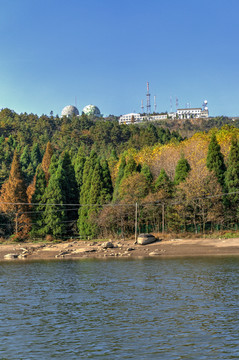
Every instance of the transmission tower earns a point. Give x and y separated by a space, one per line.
142 106
148 100
155 105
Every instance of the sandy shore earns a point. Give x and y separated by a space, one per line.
124 248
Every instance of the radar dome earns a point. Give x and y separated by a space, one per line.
69 110
92 110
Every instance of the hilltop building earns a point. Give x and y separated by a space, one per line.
69 111
90 110
192 113
187 113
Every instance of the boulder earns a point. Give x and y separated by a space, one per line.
144 239
11 256
154 253
107 245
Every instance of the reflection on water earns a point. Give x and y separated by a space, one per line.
120 309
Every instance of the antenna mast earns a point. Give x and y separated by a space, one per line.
142 106
148 99
155 105
176 103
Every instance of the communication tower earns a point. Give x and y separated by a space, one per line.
176 103
142 106
155 105
148 99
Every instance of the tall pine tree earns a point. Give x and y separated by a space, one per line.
182 170
37 190
232 174
35 155
55 217
46 161
13 197
119 177
215 160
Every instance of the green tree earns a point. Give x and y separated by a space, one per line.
107 187
54 216
147 174
119 177
79 164
130 167
35 155
182 170
232 173
163 184
38 190
85 198
215 160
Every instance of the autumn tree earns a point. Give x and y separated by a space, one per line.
46 161
13 198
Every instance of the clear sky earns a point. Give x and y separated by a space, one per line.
103 52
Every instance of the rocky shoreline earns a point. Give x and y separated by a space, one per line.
118 249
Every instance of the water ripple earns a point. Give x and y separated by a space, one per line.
138 309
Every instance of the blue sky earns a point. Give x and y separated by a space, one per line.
103 52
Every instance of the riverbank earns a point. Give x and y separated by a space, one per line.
124 248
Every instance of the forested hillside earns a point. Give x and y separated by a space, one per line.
79 177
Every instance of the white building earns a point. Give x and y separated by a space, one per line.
190 113
133 118
130 118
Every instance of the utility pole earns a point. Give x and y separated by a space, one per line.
163 217
16 228
136 222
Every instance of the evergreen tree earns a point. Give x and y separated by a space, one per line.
119 177
53 165
215 160
232 173
13 197
79 164
54 216
107 187
26 165
147 174
70 189
35 156
164 184
25 158
38 190
83 223
46 161
182 170
130 167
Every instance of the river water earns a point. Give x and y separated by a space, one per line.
184 308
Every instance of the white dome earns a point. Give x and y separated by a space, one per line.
92 110
69 110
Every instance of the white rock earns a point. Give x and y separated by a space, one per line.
144 239
11 256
